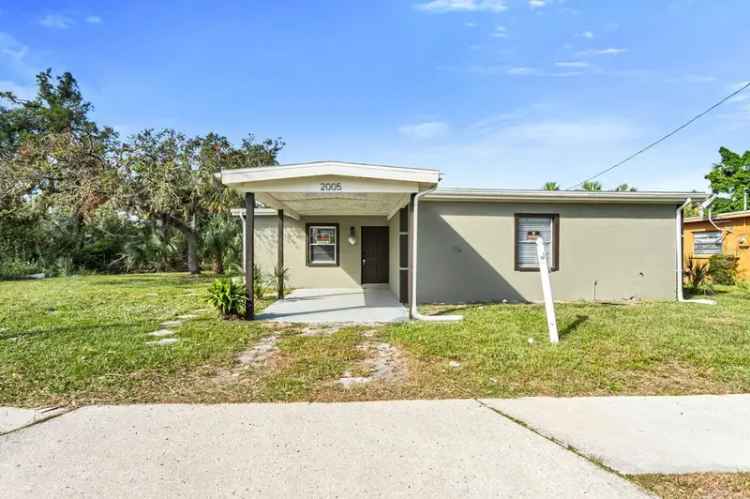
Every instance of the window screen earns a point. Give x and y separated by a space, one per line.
707 243
322 245
528 229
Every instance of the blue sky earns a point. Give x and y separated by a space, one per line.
495 93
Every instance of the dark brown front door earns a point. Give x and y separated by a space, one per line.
374 255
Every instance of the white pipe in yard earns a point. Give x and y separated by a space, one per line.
413 312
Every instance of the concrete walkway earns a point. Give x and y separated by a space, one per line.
372 449
12 418
346 305
637 435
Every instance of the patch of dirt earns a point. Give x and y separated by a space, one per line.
256 356
260 352
384 363
675 377
319 330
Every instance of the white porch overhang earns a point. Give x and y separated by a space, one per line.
332 187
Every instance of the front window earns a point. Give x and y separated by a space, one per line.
323 244
528 229
707 243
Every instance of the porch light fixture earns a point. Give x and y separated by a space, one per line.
352 236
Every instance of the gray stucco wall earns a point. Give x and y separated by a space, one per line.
610 252
346 275
393 257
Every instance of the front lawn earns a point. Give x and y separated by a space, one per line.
82 340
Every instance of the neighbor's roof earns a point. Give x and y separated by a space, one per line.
721 216
537 196
324 168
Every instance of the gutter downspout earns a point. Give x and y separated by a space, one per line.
678 255
413 312
678 227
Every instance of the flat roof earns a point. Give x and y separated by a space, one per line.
325 168
721 216
538 195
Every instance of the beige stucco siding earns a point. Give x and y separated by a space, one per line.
347 274
610 252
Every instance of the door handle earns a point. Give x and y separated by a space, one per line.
364 261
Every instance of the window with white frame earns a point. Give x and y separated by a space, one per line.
707 243
322 244
528 228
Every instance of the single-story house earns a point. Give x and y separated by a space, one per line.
341 225
723 234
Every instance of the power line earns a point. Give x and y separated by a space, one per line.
665 137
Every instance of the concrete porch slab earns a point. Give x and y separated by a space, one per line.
337 305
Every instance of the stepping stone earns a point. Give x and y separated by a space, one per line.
165 341
187 317
162 332
171 324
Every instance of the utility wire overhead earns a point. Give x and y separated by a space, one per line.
665 137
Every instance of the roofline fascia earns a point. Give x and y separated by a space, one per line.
607 197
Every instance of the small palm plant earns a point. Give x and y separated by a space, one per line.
229 297
697 274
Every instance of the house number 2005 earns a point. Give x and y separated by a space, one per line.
330 186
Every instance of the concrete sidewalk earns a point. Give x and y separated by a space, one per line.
371 449
634 435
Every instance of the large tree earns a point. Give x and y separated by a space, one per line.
730 176
170 178
54 160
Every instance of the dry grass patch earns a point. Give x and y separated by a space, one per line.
697 485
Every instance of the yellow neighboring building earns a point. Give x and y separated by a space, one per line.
728 235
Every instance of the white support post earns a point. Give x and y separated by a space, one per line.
549 305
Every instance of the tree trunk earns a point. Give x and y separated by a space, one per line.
191 237
219 264
192 254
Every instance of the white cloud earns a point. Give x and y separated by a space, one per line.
732 87
529 71
12 48
462 6
607 51
25 92
470 24
572 64
94 20
424 131
56 21
500 32
522 71
587 34
564 132
537 4
692 78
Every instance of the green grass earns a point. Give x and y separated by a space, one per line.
82 340
647 348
